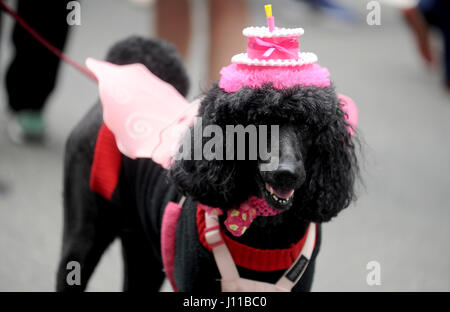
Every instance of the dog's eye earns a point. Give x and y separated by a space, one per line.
304 128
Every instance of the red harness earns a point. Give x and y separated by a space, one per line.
253 258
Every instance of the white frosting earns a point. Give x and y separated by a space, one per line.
304 58
266 33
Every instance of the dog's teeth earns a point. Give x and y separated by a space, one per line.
270 191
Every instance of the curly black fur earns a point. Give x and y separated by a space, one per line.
331 164
158 55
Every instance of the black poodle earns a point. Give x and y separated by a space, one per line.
317 161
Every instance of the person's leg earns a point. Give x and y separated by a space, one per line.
447 57
442 10
427 6
446 36
173 23
419 18
32 74
227 19
437 14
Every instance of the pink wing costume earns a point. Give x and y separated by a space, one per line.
147 115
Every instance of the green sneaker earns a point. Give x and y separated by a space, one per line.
26 126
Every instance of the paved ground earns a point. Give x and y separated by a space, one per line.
402 217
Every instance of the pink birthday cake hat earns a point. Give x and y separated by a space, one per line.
273 56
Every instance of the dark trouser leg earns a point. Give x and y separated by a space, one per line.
437 13
446 35
31 76
429 9
445 27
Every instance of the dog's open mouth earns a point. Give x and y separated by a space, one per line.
281 197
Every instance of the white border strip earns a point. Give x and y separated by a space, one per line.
278 32
303 59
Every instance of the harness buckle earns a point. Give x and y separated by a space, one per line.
213 236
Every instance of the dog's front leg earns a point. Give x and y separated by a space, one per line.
195 268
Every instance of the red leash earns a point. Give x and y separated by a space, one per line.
45 43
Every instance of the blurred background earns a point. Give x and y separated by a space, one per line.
402 216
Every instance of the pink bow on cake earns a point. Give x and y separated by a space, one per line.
286 48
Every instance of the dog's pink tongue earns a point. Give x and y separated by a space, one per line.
283 193
279 192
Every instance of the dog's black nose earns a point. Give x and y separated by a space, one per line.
288 175
285 173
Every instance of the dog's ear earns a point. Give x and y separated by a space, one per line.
350 110
332 169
